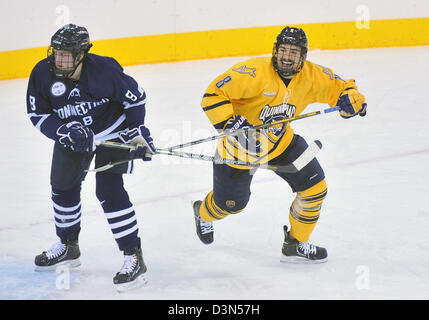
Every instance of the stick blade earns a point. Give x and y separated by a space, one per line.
101 169
305 158
318 143
108 166
308 155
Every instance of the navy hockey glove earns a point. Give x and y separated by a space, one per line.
248 139
141 139
76 136
351 103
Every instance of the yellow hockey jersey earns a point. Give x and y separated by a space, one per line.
254 90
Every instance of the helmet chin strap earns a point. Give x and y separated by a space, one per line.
80 71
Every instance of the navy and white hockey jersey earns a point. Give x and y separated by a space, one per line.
104 99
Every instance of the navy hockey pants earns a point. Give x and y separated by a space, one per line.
231 186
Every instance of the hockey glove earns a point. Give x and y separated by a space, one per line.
141 139
76 136
248 139
351 103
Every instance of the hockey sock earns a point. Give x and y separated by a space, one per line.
210 211
118 210
67 212
305 209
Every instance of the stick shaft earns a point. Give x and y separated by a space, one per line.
262 126
117 145
214 159
297 165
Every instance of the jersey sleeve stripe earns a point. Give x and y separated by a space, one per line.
206 95
221 125
38 119
216 105
128 105
104 133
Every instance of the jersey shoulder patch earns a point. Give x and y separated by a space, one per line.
246 70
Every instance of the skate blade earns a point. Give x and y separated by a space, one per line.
205 241
140 281
301 260
66 264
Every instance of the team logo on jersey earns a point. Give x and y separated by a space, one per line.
244 69
58 89
74 93
230 203
80 108
285 109
276 113
275 132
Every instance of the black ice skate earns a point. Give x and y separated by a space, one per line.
64 253
204 229
132 273
294 251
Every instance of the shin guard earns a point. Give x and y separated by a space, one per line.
305 209
210 211
67 212
118 210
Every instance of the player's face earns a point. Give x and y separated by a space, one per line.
288 56
64 60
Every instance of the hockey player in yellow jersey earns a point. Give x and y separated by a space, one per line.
260 91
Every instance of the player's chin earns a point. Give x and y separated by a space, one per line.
286 71
286 67
62 69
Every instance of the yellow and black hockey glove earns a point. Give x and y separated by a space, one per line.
250 139
351 103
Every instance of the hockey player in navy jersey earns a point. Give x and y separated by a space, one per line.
74 98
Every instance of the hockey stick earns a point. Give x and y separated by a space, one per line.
262 126
108 166
169 150
295 166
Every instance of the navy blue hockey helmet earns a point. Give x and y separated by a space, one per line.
74 39
294 36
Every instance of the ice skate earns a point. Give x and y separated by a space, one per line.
294 251
132 274
204 229
64 253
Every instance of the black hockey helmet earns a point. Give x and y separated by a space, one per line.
71 38
297 37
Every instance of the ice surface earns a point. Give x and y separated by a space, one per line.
374 221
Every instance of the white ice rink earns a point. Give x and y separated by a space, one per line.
374 221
